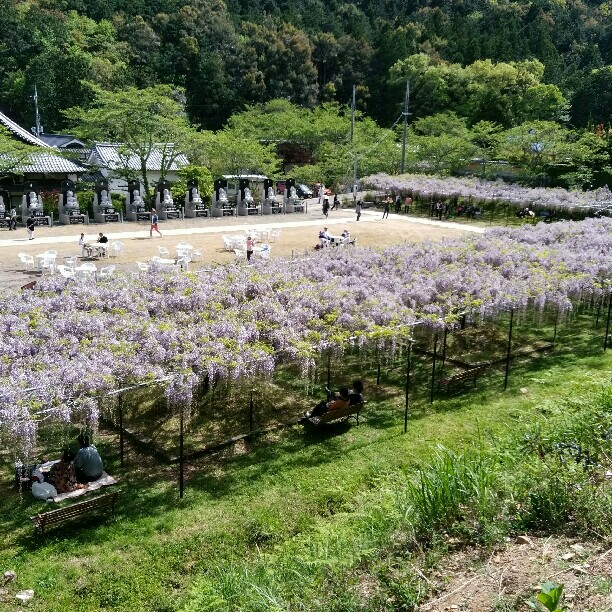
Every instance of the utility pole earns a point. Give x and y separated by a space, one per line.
405 113
38 129
352 142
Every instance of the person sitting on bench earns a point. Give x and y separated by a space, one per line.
334 401
87 463
355 395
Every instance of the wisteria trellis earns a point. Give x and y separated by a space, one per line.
65 345
547 197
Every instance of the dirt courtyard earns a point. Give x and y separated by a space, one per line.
299 233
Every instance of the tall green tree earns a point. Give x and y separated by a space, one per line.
141 121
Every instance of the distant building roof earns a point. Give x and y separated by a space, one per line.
45 163
63 141
21 133
107 155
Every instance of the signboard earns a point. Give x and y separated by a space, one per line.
173 214
111 218
42 220
143 217
76 219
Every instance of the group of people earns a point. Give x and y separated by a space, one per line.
74 471
326 239
88 248
339 400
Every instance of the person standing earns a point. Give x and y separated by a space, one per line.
398 204
13 220
30 225
250 244
326 207
154 222
407 204
358 209
336 204
386 206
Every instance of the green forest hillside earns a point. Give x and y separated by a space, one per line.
228 55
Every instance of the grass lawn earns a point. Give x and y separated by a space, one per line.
288 520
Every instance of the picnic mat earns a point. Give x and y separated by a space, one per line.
104 481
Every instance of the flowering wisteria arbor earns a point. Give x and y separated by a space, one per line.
67 346
482 191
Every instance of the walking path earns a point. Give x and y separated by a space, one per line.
240 223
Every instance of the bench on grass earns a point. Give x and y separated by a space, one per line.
461 377
333 416
55 518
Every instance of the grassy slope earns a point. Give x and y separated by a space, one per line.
291 514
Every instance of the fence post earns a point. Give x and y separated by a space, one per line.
608 321
508 354
433 369
329 368
407 385
121 428
181 455
556 323
251 412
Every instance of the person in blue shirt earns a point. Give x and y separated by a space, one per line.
87 463
154 222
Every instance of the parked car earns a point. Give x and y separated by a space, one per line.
303 191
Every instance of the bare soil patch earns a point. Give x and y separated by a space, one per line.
474 581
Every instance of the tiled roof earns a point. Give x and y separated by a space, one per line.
60 141
107 155
51 164
22 134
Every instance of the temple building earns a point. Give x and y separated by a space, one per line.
111 162
47 170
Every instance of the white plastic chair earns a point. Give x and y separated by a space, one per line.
275 234
183 262
47 265
227 243
197 255
142 266
51 252
106 272
265 251
240 254
70 262
115 249
65 271
163 251
26 260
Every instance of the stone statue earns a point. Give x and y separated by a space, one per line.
2 206
137 203
168 201
222 195
195 196
248 198
33 199
292 194
271 195
104 198
71 201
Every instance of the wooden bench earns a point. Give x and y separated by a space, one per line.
461 377
55 518
333 416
